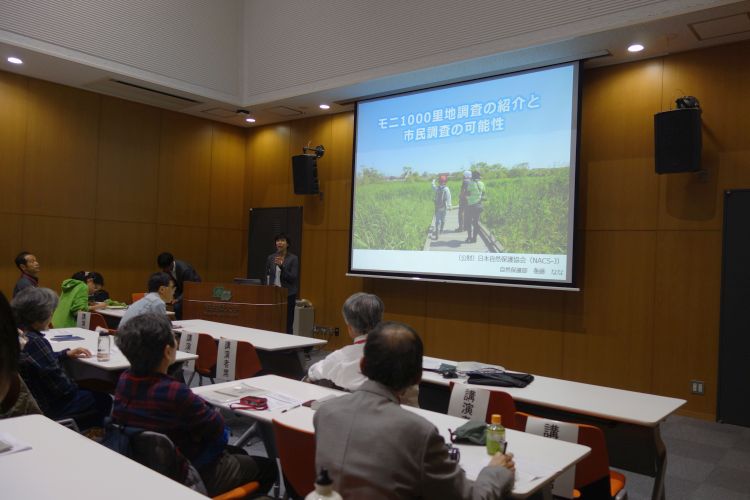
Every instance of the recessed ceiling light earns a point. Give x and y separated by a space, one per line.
15 60
325 106
636 47
250 120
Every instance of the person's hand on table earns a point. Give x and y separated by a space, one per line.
500 460
97 305
79 352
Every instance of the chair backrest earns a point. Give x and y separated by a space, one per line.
136 296
207 352
155 451
499 402
97 320
592 473
248 363
296 450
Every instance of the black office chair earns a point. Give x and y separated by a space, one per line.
154 450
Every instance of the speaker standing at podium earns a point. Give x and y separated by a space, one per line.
282 269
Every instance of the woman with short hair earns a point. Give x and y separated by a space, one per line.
57 395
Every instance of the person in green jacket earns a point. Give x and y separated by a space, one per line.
74 297
474 197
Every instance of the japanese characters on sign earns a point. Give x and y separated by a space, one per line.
454 121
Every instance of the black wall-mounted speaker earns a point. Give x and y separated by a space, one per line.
305 173
677 141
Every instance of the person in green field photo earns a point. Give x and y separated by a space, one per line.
475 195
442 203
462 202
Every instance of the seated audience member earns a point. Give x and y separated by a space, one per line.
361 311
146 397
57 395
29 267
99 294
15 398
161 289
74 297
373 448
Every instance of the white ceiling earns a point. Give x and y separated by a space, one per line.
720 25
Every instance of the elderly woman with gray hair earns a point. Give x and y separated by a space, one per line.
41 368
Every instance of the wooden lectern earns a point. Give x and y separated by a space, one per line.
254 306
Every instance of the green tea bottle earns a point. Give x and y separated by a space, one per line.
495 435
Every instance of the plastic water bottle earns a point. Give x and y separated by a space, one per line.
102 346
495 435
323 488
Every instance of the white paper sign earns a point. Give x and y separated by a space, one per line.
189 343
469 402
565 482
226 360
83 320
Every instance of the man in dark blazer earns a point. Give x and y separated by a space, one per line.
282 269
374 449
180 272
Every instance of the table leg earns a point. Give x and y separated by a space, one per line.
658 492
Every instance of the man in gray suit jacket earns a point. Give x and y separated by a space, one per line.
374 449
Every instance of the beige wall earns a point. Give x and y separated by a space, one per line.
91 182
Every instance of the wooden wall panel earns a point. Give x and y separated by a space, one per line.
609 325
719 78
526 329
224 259
269 167
457 322
10 246
128 161
227 177
125 254
63 246
617 177
733 173
621 194
404 301
685 341
185 243
338 185
619 103
338 286
314 275
13 117
184 170
61 151
313 132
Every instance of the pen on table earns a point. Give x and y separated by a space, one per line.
291 408
505 446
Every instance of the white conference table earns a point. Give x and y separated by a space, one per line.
119 312
63 464
538 460
279 352
82 367
629 419
263 340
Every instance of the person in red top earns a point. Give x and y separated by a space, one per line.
147 398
